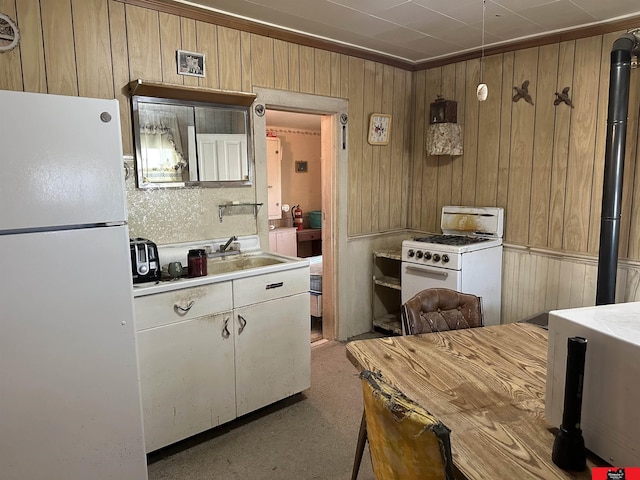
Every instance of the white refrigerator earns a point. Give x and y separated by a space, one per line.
69 385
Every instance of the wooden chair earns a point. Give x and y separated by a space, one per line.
440 309
405 440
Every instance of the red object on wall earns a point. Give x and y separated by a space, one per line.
297 217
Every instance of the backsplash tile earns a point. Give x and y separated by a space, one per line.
175 215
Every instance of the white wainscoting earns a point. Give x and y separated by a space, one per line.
537 280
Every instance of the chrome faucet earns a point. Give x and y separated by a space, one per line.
223 248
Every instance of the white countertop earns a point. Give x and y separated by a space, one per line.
150 288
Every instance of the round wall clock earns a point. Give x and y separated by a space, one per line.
379 129
9 35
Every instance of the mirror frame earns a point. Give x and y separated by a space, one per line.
165 94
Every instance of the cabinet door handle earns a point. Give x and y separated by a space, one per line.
225 330
274 285
243 323
182 310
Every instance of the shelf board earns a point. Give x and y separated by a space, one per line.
392 253
197 94
390 282
389 322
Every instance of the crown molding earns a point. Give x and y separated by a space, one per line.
208 16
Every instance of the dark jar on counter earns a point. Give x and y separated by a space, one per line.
197 263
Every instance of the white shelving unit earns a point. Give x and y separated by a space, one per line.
386 290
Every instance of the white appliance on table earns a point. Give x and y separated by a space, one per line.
467 257
610 418
70 397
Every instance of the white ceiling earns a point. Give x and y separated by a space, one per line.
415 31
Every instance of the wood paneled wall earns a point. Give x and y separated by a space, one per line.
536 281
95 47
542 163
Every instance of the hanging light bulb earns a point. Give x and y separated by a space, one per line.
482 91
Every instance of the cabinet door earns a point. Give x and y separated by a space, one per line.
273 241
273 351
222 157
187 378
274 189
283 241
287 242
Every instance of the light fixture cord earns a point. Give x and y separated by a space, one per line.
484 2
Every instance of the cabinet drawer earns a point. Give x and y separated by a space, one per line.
261 288
308 234
164 308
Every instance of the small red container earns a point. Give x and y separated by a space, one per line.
197 263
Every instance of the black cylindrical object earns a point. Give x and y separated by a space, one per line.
569 452
619 76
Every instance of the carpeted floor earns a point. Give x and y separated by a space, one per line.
309 436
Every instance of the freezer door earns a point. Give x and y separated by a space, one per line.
61 161
69 398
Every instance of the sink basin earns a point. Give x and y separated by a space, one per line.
217 266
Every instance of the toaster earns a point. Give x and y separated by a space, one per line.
145 264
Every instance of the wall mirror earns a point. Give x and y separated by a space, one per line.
191 137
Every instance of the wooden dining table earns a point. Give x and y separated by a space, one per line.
487 385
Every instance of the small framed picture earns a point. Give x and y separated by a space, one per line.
190 63
379 129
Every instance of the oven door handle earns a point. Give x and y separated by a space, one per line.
428 270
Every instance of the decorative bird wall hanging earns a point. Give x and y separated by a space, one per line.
563 97
523 92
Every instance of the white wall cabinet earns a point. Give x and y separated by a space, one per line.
274 172
205 361
283 240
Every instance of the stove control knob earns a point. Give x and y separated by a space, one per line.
411 253
427 255
419 254
436 257
445 258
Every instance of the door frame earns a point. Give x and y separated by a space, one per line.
334 154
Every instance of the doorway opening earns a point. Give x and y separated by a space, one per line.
295 203
318 171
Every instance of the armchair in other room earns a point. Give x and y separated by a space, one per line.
440 309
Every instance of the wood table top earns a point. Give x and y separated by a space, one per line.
487 385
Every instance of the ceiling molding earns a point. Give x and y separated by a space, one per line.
564 36
208 16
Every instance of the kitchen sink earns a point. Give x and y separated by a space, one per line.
231 265
216 266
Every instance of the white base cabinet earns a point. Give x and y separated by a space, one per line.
283 240
187 377
212 353
272 352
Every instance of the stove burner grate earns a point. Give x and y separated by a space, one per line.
458 240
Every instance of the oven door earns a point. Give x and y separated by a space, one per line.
416 277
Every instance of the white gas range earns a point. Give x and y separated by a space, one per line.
467 257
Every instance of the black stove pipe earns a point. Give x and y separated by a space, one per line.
619 79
